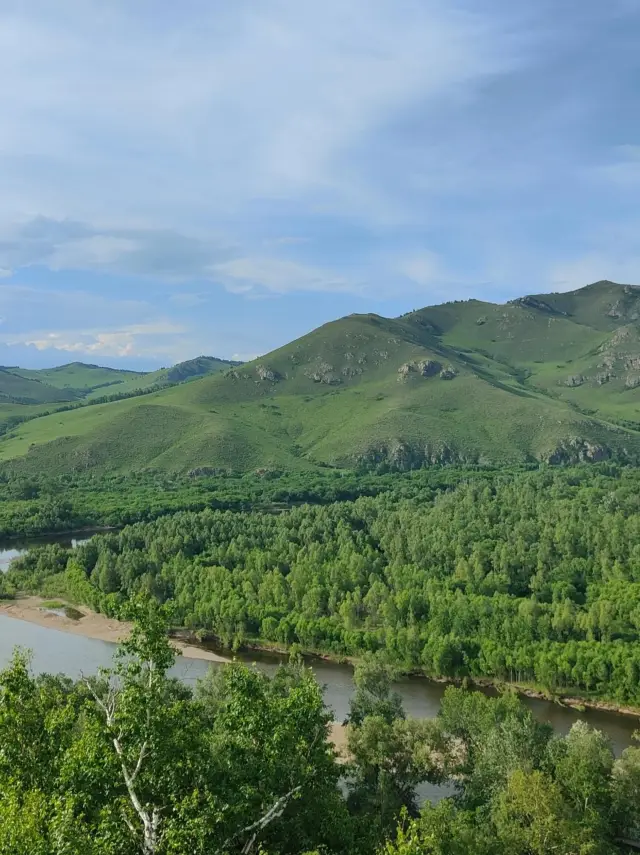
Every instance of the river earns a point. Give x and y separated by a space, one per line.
10 549
60 652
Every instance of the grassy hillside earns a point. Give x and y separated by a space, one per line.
81 381
463 382
16 389
78 376
26 394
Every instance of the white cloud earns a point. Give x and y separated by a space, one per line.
118 116
244 357
282 277
151 339
424 268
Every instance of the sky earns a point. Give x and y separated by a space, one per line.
215 177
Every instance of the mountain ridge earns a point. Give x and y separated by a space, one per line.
546 377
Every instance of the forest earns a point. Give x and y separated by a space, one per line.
527 577
132 760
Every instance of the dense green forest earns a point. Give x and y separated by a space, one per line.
39 505
42 504
530 577
132 760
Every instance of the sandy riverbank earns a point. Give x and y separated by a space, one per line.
90 625
102 628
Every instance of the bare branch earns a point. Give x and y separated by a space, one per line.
150 822
275 811
141 757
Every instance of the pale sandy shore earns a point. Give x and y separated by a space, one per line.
90 625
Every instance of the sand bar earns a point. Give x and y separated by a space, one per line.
90 625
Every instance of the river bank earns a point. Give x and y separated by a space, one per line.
42 537
559 698
89 625
102 628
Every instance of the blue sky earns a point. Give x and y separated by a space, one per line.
221 177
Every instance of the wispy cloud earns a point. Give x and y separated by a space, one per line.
624 168
593 267
136 340
281 277
123 120
387 151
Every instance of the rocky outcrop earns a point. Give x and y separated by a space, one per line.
351 371
323 373
530 302
603 377
423 368
429 367
448 373
402 456
632 381
268 374
577 450
206 472
574 380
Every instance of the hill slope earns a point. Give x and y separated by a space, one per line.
81 381
31 393
466 381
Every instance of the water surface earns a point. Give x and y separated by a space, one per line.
59 652
14 548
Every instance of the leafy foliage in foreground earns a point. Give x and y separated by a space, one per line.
133 761
526 577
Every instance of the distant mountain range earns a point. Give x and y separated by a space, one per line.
78 381
548 377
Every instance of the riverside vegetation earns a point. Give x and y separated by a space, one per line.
134 761
530 577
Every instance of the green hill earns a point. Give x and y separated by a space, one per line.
26 394
547 377
20 389
82 381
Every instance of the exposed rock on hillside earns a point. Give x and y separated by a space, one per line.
401 456
574 380
266 373
424 368
577 450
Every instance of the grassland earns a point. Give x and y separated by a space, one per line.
466 382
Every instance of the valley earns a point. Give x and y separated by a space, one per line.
450 496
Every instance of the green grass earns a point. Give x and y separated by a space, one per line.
343 396
78 381
59 606
15 389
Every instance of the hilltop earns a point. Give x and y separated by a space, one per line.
547 377
30 393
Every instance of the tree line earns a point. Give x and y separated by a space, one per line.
529 577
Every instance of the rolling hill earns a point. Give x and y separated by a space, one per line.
29 393
551 378
81 381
